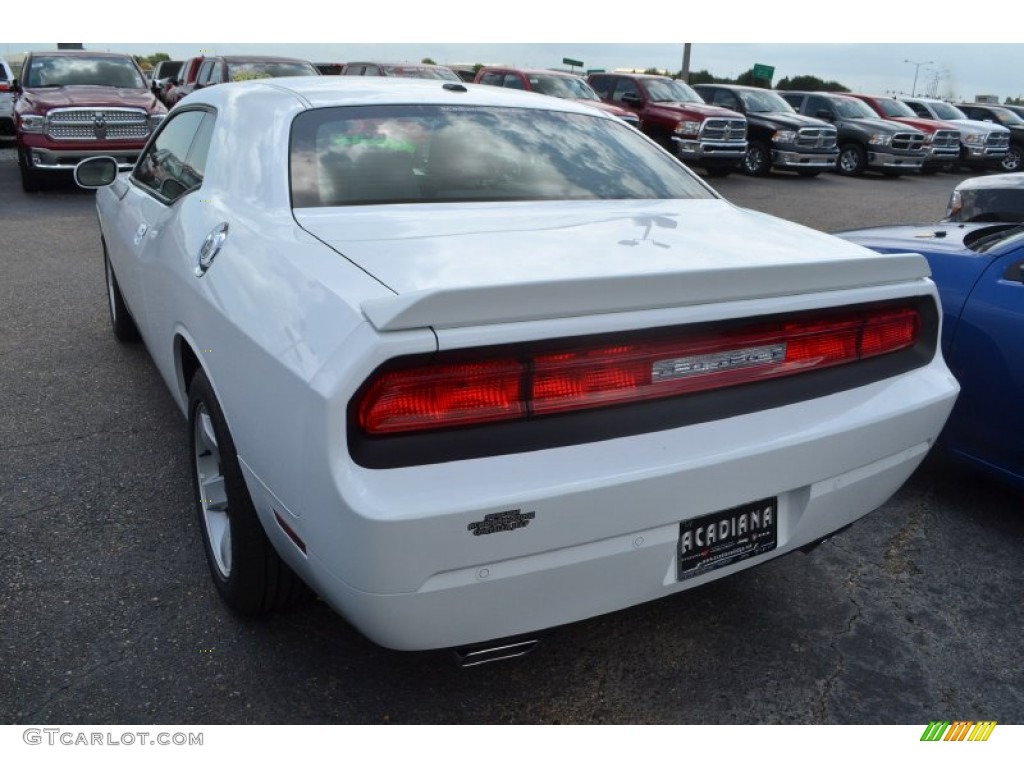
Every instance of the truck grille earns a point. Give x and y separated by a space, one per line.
999 140
724 129
816 138
97 124
946 140
908 142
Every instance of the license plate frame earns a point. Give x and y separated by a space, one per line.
713 541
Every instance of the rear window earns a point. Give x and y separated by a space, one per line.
425 154
254 70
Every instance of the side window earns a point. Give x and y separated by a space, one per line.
203 78
623 86
727 100
217 72
512 81
919 109
795 100
491 78
372 70
816 105
602 86
195 163
164 168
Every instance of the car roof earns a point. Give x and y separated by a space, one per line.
993 181
316 92
83 54
532 71
239 58
736 87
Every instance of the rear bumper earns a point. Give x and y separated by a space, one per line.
594 527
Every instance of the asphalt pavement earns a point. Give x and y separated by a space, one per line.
108 615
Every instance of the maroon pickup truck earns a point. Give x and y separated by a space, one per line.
675 116
70 105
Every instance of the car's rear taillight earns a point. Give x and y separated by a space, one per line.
529 383
4 87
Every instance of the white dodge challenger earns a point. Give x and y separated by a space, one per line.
472 363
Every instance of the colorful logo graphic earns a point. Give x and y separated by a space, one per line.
961 730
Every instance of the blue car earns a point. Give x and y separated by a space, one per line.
979 270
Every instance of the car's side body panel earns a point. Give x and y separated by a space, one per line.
983 323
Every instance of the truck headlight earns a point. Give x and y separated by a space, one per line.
973 139
33 123
688 127
155 120
784 137
880 139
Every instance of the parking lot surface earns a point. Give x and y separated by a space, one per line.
108 615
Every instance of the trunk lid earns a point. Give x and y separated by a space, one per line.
455 265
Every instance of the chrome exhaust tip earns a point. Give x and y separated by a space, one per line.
485 653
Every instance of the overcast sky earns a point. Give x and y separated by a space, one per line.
540 34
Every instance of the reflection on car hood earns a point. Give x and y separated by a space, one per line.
934 238
458 264
89 96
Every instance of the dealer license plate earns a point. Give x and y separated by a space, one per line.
722 538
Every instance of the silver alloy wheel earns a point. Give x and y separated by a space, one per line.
756 160
849 161
212 493
1012 161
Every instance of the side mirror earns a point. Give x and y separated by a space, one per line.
632 99
96 172
825 114
16 86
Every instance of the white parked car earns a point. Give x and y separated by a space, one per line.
994 197
6 100
472 363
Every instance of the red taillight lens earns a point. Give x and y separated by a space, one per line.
533 384
4 87
442 396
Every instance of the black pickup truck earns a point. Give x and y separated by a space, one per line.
866 142
777 136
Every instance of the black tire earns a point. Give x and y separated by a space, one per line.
254 580
1012 162
810 174
852 160
121 321
758 159
31 179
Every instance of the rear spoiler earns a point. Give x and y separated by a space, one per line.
521 302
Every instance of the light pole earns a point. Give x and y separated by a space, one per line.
917 68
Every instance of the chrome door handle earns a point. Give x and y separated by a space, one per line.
141 233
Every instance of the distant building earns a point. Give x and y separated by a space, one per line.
986 98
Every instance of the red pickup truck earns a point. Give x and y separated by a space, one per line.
70 105
675 116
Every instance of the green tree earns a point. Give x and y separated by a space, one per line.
428 60
700 77
810 83
747 78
